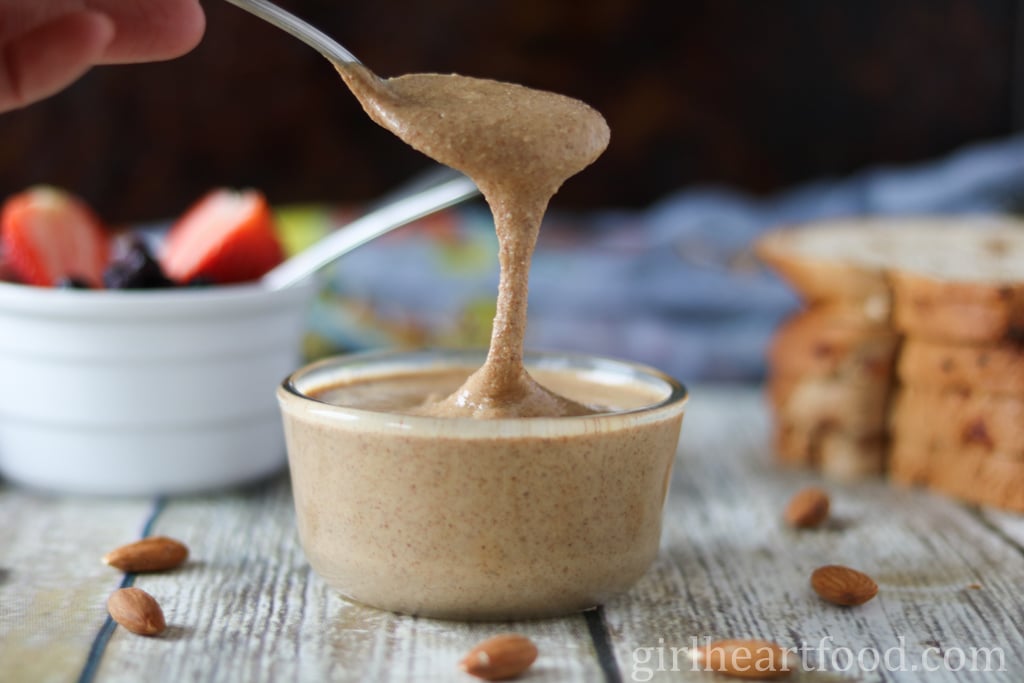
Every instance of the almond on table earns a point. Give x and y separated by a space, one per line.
843 585
500 658
137 611
808 508
152 554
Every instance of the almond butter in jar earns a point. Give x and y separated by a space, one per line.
463 518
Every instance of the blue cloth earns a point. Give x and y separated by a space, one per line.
675 285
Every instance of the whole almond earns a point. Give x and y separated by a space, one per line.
501 657
739 658
152 554
843 585
137 611
807 509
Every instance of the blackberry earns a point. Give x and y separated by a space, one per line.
71 282
133 267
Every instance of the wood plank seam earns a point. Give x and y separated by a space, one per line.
602 641
99 643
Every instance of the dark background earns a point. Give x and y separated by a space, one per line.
758 95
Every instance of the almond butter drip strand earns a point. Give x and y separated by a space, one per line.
518 145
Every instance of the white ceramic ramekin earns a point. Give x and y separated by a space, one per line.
481 519
143 392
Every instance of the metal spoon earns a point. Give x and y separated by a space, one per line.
288 22
445 187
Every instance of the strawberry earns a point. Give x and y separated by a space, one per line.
50 235
225 237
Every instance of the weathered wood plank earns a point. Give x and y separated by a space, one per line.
53 586
730 568
1010 525
247 608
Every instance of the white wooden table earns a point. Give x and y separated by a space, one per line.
247 608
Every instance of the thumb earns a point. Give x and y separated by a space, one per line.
49 57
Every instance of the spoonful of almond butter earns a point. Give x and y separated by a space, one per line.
518 145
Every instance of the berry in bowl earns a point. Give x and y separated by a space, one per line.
134 366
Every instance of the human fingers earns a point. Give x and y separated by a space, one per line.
50 56
150 30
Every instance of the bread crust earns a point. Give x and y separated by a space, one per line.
967 262
820 280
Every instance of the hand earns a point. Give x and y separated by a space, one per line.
46 44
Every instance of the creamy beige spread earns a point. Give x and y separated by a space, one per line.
406 393
518 145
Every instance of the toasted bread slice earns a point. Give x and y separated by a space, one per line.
966 422
850 457
960 311
852 406
833 341
938 366
835 453
972 477
955 288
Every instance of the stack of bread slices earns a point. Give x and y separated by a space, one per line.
908 357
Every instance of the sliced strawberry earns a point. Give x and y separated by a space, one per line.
226 237
7 272
49 234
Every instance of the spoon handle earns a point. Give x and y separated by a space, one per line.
389 216
286 21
